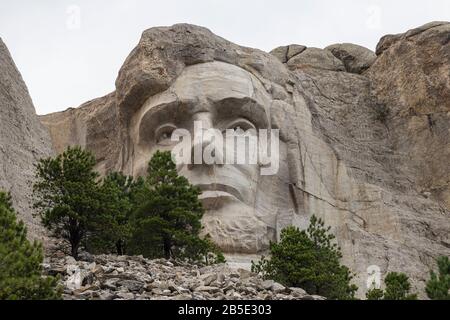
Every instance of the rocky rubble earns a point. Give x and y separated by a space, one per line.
108 277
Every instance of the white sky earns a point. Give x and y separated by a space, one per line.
69 51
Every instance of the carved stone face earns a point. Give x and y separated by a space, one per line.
220 96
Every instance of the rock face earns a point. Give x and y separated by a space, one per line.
23 140
418 104
135 278
364 142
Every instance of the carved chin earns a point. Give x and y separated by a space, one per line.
234 226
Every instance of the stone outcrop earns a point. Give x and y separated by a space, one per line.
285 53
364 141
315 58
417 100
390 39
23 140
356 59
135 278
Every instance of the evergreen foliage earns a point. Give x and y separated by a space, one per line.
310 260
20 261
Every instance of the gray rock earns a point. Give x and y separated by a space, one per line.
124 296
58 270
356 58
157 291
131 285
208 278
220 277
245 274
69 260
77 279
285 53
107 296
267 284
207 289
297 292
316 58
277 288
111 284
86 256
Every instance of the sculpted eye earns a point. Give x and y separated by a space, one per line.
164 133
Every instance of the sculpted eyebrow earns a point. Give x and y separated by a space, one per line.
246 108
164 112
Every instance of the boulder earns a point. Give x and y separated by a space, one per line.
316 58
356 58
131 285
285 53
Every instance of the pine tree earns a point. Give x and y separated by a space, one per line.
168 223
375 294
438 287
398 287
310 260
111 230
67 195
20 261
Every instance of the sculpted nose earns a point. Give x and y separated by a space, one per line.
203 126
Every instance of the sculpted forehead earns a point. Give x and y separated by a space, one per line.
212 86
213 81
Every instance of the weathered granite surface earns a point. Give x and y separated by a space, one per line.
23 140
365 144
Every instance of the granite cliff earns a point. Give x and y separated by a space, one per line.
23 140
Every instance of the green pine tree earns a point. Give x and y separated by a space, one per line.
375 294
310 260
20 261
438 287
111 230
67 195
168 223
398 287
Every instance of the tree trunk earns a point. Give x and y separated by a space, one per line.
74 250
167 250
120 248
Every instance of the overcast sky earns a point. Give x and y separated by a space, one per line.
70 51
